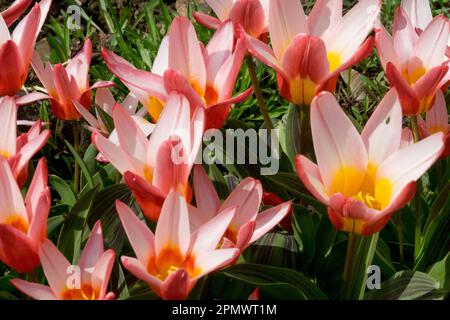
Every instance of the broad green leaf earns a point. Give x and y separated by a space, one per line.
264 277
441 272
407 285
304 234
63 189
72 232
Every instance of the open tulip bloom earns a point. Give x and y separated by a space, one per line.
309 53
416 65
248 225
363 179
172 260
206 76
420 15
254 24
66 85
19 150
16 49
23 224
152 167
90 283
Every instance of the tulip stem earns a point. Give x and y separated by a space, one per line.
76 145
258 92
351 246
305 127
417 200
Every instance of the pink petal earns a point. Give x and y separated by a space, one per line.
382 133
140 236
437 117
206 196
250 15
404 34
8 131
93 249
337 144
310 176
173 225
269 218
207 21
161 62
432 44
419 12
286 20
136 268
102 272
324 16
55 267
15 10
78 67
209 234
185 54
11 201
34 290
221 8
213 260
176 286
410 163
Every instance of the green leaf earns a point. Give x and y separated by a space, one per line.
53 224
71 236
441 272
365 250
63 189
104 209
304 234
293 133
84 169
407 285
106 119
271 279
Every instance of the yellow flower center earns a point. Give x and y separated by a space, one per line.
18 222
334 60
170 260
363 186
415 75
85 293
154 107
4 154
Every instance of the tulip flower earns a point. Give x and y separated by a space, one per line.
419 12
415 65
247 225
206 76
19 150
86 281
437 121
173 259
14 11
363 179
252 15
23 224
152 167
309 53
69 84
16 49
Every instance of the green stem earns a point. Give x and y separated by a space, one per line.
349 262
258 92
76 145
399 222
305 127
417 201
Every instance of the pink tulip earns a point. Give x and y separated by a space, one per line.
247 225
148 165
309 53
437 121
14 11
16 49
415 65
173 259
19 150
363 179
69 84
23 224
252 15
206 76
87 281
